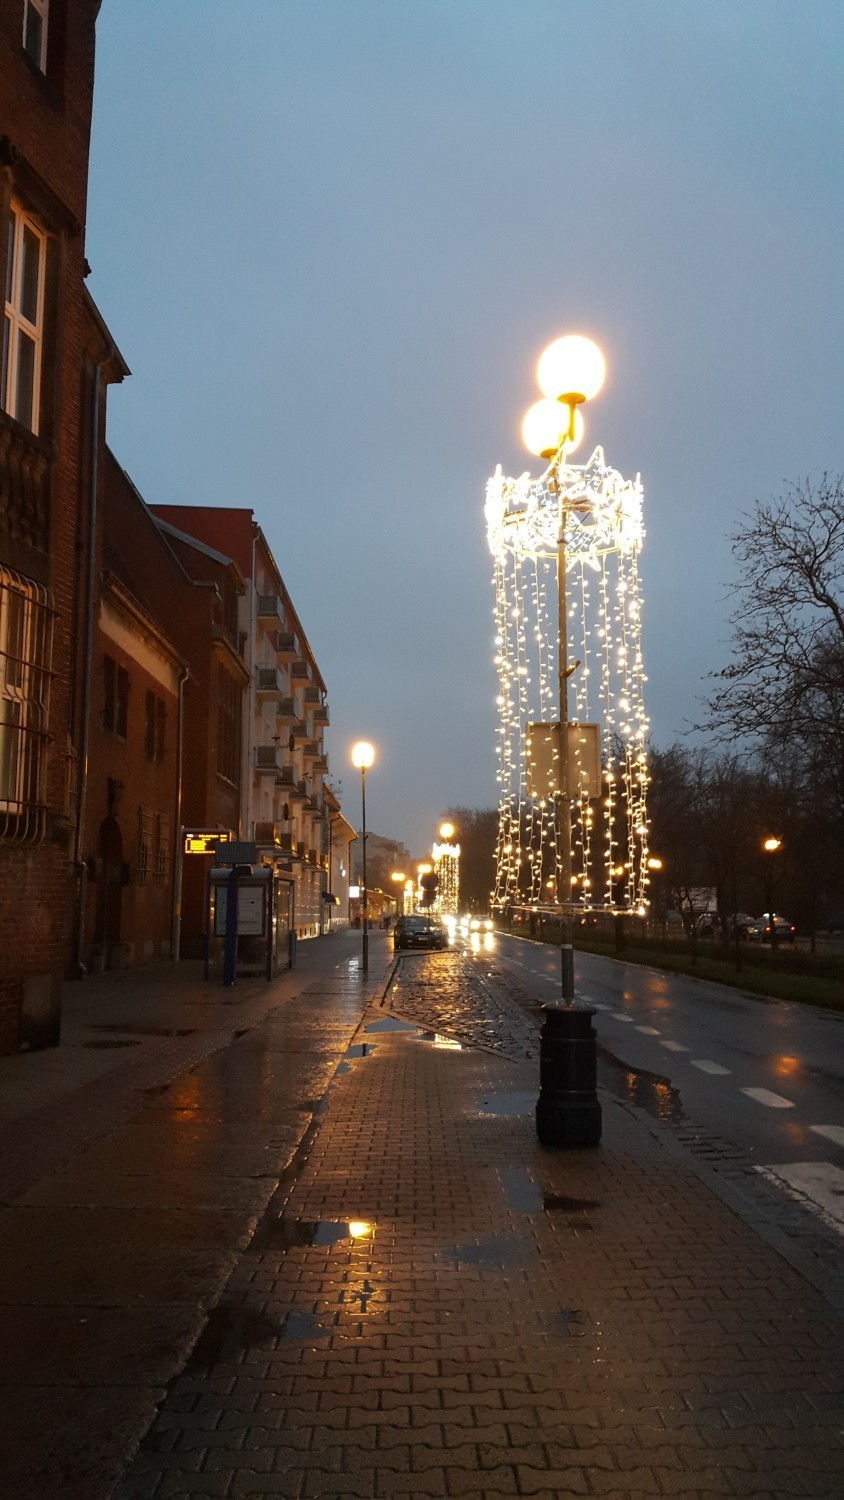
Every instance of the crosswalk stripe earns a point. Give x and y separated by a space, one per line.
708 1067
674 1046
832 1132
648 1030
820 1181
764 1096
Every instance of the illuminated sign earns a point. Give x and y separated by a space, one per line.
203 840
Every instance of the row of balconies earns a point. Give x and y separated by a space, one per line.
271 836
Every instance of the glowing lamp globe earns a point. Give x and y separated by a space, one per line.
446 830
571 370
363 754
546 426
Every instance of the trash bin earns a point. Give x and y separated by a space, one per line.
567 1111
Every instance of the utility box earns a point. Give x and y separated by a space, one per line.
542 749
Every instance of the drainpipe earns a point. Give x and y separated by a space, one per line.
180 832
85 706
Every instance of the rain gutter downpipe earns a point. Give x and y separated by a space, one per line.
81 970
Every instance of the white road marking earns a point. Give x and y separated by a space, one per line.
674 1046
648 1030
620 1016
832 1132
764 1096
818 1181
708 1067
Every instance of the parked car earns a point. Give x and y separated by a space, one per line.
760 932
419 932
740 923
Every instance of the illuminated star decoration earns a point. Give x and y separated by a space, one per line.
603 537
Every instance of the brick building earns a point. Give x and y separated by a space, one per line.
56 363
284 759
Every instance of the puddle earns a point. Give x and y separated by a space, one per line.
558 1203
112 1042
232 1330
521 1193
488 1252
436 1039
361 1049
141 1029
391 1023
650 1091
284 1232
156 1089
506 1106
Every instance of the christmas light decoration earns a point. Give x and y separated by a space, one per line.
603 534
446 858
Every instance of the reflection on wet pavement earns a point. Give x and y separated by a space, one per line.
283 1231
507 1106
637 1086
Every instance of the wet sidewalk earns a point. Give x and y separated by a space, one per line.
434 1305
328 1257
137 1159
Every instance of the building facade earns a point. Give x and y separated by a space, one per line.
284 765
55 366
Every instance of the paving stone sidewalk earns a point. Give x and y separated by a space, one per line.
137 1160
434 1305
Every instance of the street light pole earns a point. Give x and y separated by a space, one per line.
570 371
363 755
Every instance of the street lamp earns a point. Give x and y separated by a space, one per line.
570 372
363 754
771 846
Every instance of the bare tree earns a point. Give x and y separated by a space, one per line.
785 683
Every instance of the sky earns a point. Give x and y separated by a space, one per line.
331 239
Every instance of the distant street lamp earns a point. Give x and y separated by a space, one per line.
363 755
570 371
771 846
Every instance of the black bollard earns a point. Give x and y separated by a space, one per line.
567 1110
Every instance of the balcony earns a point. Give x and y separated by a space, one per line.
268 682
286 781
270 611
286 646
268 758
286 712
320 715
267 834
300 672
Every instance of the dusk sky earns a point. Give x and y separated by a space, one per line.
331 238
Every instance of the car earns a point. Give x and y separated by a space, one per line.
760 932
739 924
419 932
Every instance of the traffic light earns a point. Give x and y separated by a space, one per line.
430 884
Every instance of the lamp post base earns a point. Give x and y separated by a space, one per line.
567 1110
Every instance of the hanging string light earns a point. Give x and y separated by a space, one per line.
603 537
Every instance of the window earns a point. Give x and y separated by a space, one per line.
35 31
23 318
115 698
229 699
25 651
155 717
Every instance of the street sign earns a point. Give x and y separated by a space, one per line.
584 760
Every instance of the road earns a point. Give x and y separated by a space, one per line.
765 1075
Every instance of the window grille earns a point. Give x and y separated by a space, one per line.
162 853
145 836
26 630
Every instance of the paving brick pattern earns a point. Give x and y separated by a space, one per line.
434 1305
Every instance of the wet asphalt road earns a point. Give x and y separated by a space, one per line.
765 1075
